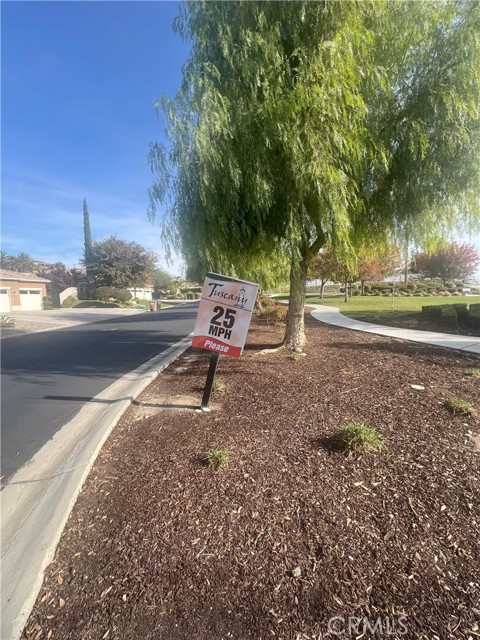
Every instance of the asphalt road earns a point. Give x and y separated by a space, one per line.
47 377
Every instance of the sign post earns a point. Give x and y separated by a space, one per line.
223 319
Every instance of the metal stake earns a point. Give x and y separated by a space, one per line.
210 378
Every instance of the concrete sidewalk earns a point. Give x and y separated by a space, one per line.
332 315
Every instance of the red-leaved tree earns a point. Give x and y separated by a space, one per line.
452 261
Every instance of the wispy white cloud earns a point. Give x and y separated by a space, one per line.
44 217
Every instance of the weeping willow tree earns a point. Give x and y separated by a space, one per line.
300 125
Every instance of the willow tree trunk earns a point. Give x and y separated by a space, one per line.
295 330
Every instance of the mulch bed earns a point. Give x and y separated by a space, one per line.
294 540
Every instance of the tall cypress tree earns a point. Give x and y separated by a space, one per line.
88 247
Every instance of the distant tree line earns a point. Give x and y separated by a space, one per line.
447 261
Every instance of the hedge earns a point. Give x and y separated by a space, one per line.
449 316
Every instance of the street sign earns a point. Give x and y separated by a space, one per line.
224 315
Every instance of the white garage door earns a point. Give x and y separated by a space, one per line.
4 301
30 299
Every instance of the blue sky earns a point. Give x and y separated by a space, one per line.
79 80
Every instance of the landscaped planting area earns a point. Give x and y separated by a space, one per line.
329 488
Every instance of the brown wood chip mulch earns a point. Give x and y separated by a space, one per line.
294 540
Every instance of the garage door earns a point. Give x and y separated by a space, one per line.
4 301
30 299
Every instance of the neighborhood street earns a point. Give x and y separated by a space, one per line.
47 377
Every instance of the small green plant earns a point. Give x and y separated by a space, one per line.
474 373
217 385
358 435
7 320
218 458
461 407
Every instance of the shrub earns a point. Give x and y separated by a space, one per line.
367 288
377 292
7 320
474 318
432 310
47 303
448 317
270 309
122 295
102 293
69 302
462 312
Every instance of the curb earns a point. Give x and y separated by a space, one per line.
37 501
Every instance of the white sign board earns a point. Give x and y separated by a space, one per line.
224 314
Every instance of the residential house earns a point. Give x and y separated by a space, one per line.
21 291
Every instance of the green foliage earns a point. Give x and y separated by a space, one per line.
269 309
109 294
298 125
432 310
356 436
5 319
162 280
474 373
122 295
217 385
462 312
88 244
459 406
474 317
448 316
120 264
69 302
103 293
218 459
47 303
22 263
142 301
6 261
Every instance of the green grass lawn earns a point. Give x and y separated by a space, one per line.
383 310
369 305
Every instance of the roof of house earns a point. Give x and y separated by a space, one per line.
5 274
